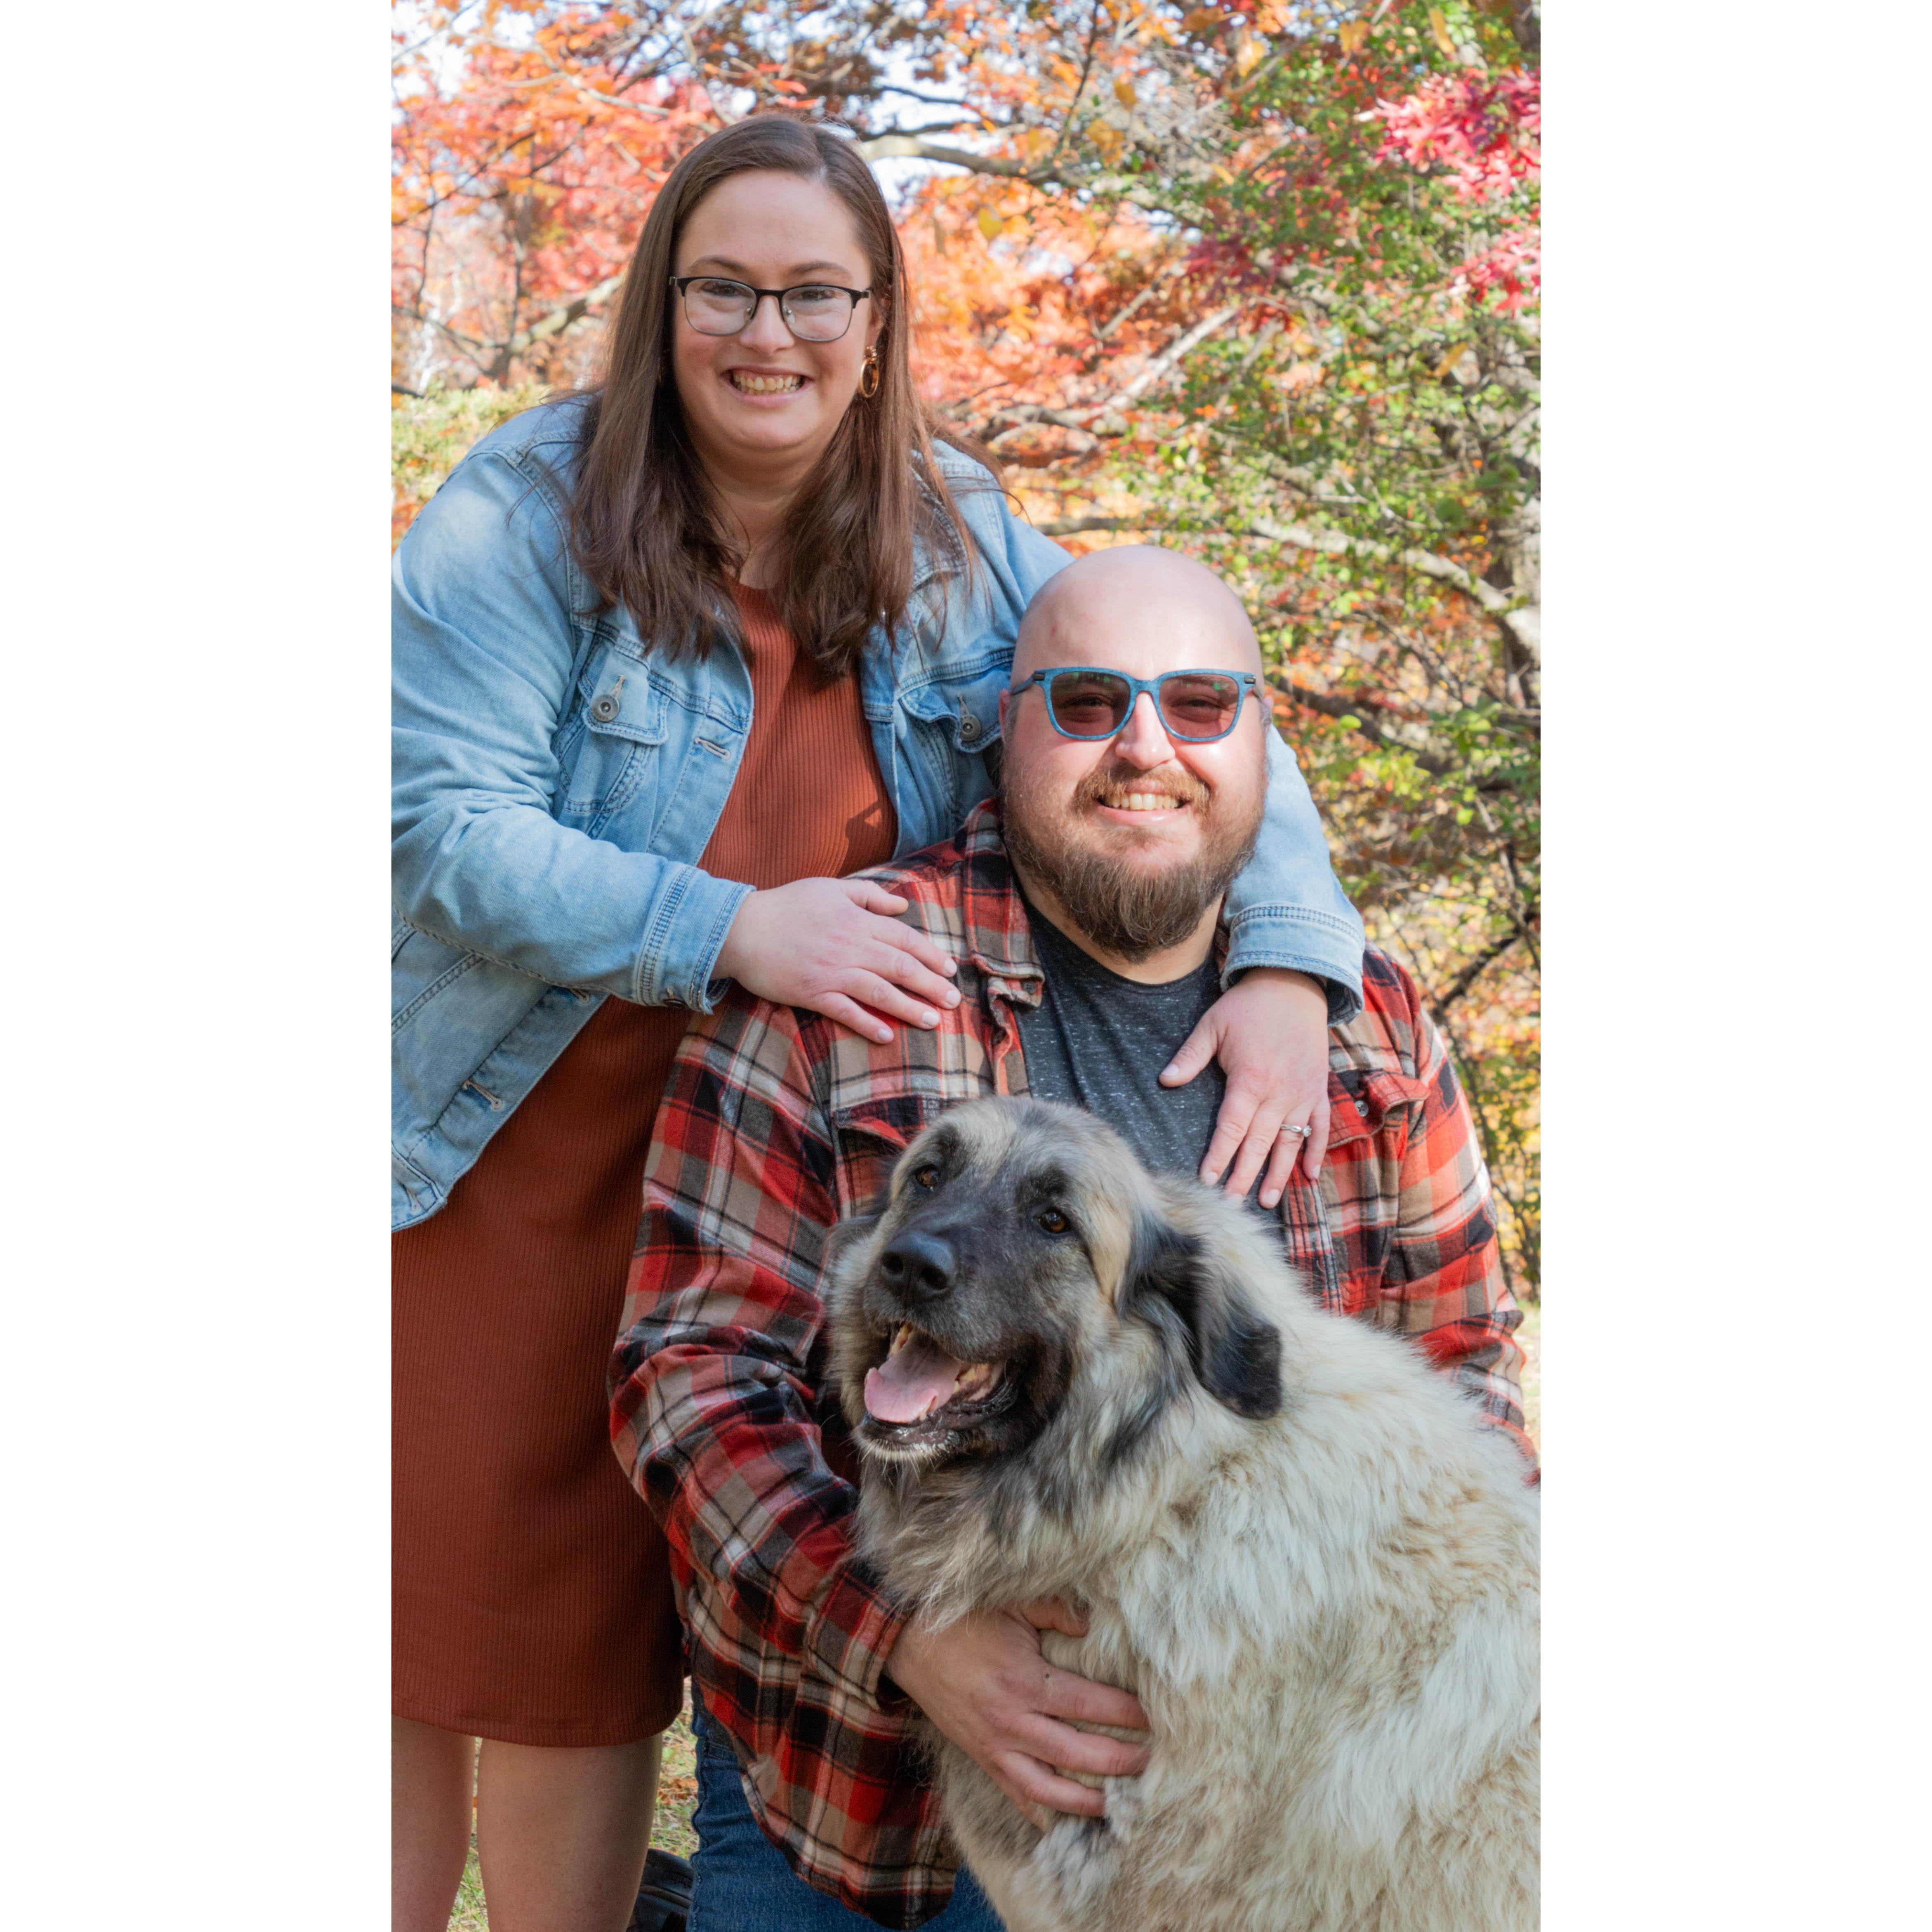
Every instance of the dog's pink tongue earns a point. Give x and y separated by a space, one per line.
911 1382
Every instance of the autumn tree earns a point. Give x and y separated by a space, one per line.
1256 279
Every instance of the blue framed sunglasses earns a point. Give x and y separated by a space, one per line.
1195 707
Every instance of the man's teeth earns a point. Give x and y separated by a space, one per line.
763 386
1145 801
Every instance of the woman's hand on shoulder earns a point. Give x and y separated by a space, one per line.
1270 1032
831 945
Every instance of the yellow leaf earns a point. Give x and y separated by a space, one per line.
1107 140
1124 90
990 223
1201 20
1439 27
1353 33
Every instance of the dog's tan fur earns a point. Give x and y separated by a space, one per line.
1330 1614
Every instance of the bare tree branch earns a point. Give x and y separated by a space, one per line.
885 87
1526 23
1048 178
1074 526
470 346
1176 351
565 314
1458 988
1177 266
1356 710
1092 417
416 46
1521 622
910 147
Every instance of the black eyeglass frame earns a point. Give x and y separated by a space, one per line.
681 282
1245 679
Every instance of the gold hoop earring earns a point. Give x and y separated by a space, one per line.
868 376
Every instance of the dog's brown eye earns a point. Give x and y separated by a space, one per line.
1054 1222
927 1177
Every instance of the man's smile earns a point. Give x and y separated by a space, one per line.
1145 802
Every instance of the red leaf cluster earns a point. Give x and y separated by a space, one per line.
1485 131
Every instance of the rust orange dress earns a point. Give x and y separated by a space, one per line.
532 1598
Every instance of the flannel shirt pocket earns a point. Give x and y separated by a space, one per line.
870 1136
1373 1113
1361 1100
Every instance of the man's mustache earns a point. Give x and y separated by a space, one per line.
1099 785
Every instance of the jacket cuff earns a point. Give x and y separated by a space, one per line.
851 1635
675 964
1323 945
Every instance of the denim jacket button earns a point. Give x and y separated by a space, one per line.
605 709
969 727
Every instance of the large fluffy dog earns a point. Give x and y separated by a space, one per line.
1294 1543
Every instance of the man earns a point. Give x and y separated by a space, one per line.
1084 909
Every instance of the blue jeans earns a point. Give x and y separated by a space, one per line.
740 1882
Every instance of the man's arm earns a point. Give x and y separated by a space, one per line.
711 1395
712 1417
1444 1273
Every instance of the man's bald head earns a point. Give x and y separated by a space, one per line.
1138 609
1128 841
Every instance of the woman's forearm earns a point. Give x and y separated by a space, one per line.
1286 908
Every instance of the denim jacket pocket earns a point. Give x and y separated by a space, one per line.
954 738
421 967
611 746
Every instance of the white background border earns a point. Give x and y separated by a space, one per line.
195 1367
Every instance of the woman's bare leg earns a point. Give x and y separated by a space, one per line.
562 1833
432 1773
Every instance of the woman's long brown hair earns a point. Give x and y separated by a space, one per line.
644 528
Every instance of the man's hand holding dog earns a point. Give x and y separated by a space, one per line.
984 1681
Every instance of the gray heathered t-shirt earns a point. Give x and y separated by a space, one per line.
1099 1042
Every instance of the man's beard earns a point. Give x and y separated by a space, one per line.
1129 908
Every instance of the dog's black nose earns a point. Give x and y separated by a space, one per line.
918 1267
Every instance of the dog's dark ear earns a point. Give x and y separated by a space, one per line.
1234 1352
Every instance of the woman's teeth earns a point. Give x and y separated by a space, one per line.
764 385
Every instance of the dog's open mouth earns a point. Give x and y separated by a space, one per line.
919 1386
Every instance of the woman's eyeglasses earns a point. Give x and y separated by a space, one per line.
1195 706
813 311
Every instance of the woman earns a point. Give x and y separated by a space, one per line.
671 659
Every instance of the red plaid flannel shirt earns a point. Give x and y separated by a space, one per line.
778 1122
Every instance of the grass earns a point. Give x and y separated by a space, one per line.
677 1782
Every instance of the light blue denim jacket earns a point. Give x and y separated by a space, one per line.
555 782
